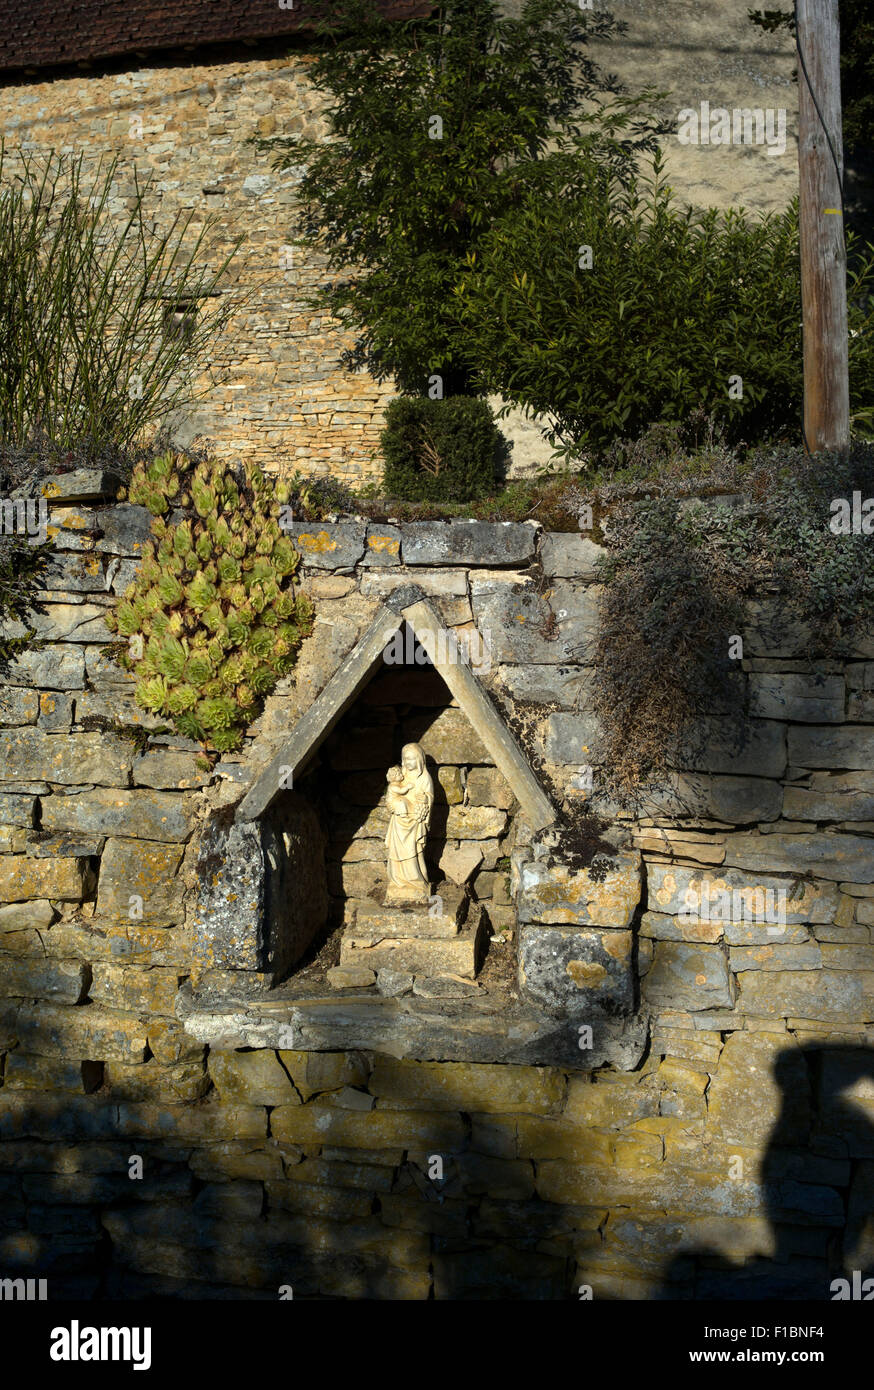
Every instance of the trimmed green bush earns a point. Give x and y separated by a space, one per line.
440 451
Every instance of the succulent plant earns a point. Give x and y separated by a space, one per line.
212 597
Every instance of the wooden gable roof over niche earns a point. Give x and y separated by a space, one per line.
41 33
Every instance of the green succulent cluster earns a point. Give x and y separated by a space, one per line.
213 599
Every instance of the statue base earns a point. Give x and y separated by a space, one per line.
442 938
396 896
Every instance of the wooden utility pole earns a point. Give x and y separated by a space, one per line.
823 249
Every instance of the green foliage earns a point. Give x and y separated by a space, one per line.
22 576
677 578
402 210
86 346
216 616
442 450
676 303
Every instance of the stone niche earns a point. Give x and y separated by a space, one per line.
262 896
518 944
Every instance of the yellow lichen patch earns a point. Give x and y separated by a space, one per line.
316 543
384 545
616 944
586 974
667 890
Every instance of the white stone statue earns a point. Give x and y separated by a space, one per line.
410 797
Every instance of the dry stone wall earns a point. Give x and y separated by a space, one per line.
731 1154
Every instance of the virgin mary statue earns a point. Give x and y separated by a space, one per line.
410 797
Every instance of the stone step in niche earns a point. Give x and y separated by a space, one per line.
441 918
417 955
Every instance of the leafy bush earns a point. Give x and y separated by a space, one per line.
217 617
676 302
87 300
443 450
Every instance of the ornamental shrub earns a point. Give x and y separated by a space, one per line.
440 451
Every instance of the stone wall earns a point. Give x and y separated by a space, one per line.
283 399
730 1154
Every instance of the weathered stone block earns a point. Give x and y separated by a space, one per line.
559 895
444 916
715 745
382 545
564 686
23 916
847 858
475 823
17 810
70 759
185 1082
571 739
316 1072
732 895
688 976
207 1121
23 878
661 926
467 543
761 1083
486 786
448 739
39 979
776 957
570 555
113 708
414 955
18 706
263 889
137 882
461 1086
81 485
125 529
26 1073
576 971
71 622
328 545
51 668
55 711
321 1124
851 746
377 583
251 1078
55 1030
125 942
824 805
162 768
350 977
146 814
804 699
843 995
515 622
134 988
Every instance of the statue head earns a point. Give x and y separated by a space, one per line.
413 759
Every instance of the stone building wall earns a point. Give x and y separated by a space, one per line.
732 1153
274 390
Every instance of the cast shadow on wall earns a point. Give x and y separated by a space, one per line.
815 1188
